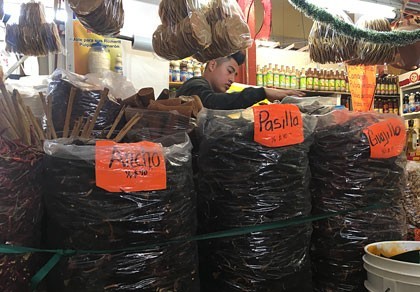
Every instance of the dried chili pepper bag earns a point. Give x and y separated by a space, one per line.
20 213
84 216
349 171
243 183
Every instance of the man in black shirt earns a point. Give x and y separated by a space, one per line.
217 79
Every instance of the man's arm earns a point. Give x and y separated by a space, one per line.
228 101
223 101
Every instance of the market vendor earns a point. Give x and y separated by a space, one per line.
217 79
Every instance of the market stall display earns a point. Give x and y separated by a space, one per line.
346 177
83 216
243 183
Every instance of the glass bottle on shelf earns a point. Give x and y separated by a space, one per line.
316 80
417 101
270 77
406 106
282 77
287 77
293 78
309 80
264 72
321 80
380 106
411 103
276 76
396 108
411 137
259 76
303 79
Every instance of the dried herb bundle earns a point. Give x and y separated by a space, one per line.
370 53
20 212
242 183
327 46
104 17
83 216
33 36
345 177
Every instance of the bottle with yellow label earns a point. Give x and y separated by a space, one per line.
411 137
259 76
270 77
309 80
293 78
331 81
287 74
316 80
282 77
276 77
303 80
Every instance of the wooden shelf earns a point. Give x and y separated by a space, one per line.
387 96
408 115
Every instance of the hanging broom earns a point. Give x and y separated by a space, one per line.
33 36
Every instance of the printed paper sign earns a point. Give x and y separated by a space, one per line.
362 83
278 125
386 139
129 167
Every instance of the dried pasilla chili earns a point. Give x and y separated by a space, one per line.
345 177
81 215
242 183
20 212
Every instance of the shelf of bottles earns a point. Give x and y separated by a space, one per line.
183 70
309 79
411 104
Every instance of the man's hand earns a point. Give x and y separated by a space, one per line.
278 94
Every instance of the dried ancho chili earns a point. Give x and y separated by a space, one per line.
20 212
83 216
243 183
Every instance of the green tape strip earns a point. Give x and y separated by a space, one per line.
59 253
44 271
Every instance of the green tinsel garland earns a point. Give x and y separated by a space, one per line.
398 38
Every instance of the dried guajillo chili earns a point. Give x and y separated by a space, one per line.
20 212
344 176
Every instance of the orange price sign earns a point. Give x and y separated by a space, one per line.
362 83
386 139
278 125
129 167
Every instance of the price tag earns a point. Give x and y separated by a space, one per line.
386 139
129 167
278 125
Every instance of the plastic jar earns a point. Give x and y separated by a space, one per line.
99 59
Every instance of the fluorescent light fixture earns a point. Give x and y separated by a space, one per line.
358 7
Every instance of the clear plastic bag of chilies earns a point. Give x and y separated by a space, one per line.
368 53
353 166
328 46
412 199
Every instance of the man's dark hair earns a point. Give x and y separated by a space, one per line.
239 57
